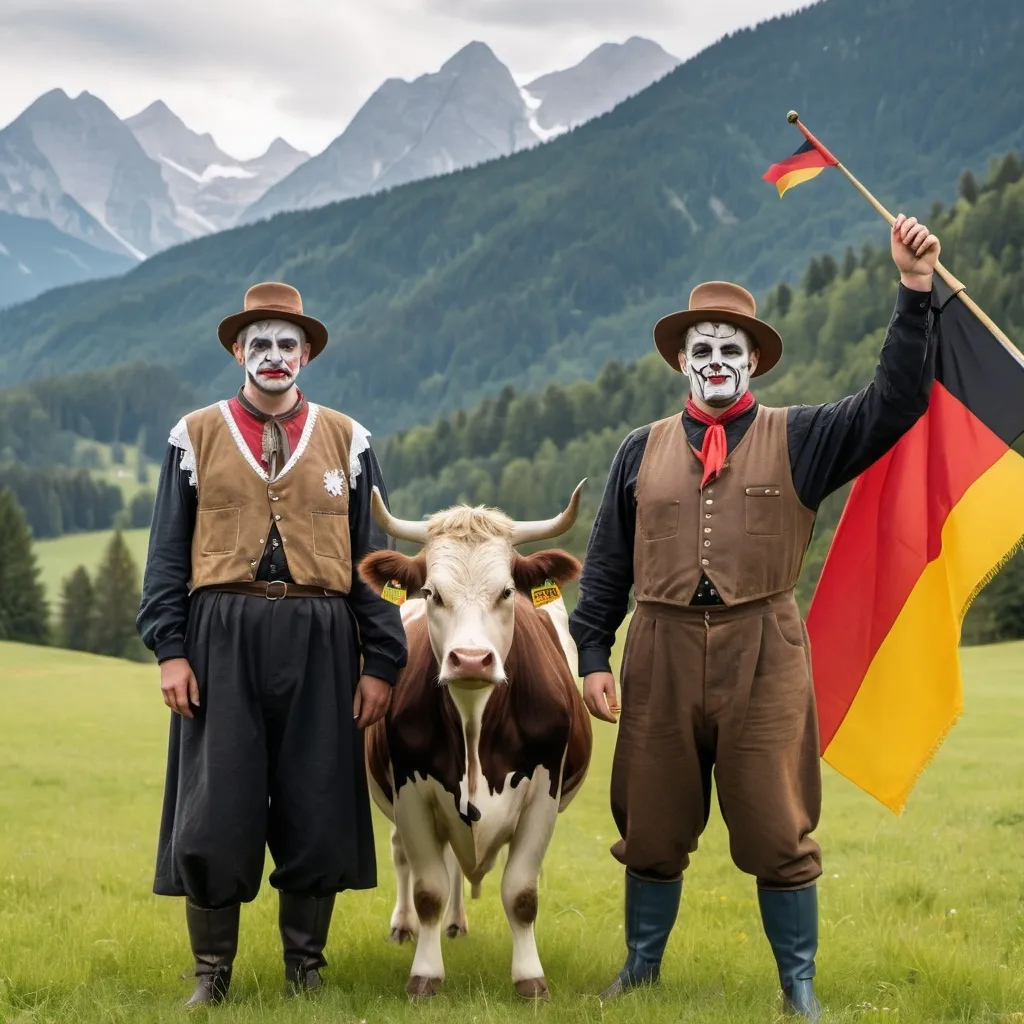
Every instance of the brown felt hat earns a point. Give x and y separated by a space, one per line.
273 301
720 302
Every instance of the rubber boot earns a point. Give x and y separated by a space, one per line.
791 924
651 911
213 935
304 922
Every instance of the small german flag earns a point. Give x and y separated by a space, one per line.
806 163
924 530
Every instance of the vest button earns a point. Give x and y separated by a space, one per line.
707 529
704 561
707 515
277 517
274 497
709 502
707 543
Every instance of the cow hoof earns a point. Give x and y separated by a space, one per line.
533 988
401 936
454 930
419 988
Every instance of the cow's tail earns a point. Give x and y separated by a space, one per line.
474 890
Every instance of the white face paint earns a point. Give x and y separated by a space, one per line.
719 361
273 351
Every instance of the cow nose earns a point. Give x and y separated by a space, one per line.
469 662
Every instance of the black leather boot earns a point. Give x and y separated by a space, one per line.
651 910
213 935
304 923
791 924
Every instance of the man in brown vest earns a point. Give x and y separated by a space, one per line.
273 653
707 516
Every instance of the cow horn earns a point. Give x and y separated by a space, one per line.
400 529
544 529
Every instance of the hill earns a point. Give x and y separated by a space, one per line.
545 265
526 451
909 922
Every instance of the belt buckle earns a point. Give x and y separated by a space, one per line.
284 590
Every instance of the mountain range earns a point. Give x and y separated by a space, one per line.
545 265
131 188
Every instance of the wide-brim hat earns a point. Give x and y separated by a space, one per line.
718 302
272 300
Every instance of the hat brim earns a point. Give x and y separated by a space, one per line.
316 332
670 335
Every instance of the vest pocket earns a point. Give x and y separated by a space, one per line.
658 520
764 510
330 534
218 530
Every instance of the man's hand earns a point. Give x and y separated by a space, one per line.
915 252
599 696
178 685
372 699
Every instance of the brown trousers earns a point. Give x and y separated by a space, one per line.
728 690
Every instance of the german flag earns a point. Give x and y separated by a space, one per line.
924 529
806 163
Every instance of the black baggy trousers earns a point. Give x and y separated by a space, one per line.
272 757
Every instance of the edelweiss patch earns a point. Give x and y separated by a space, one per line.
334 482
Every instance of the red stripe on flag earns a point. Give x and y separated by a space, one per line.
801 160
890 529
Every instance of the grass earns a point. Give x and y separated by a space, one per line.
921 915
59 557
123 475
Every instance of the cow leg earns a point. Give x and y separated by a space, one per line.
519 889
404 923
455 917
430 891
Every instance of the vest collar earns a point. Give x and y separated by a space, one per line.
300 448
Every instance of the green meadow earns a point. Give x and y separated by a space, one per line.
58 558
922 915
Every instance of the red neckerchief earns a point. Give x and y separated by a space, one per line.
251 428
713 451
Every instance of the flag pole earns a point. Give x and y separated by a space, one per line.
958 287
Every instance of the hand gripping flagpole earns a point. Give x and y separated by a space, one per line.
958 287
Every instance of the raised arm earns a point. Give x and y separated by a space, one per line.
831 444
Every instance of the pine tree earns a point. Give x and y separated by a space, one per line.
117 603
24 616
77 611
968 187
141 466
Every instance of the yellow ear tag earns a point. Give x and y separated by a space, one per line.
394 592
545 594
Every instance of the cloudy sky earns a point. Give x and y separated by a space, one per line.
250 70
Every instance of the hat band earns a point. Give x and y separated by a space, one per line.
276 307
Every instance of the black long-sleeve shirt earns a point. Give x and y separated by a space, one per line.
829 445
163 614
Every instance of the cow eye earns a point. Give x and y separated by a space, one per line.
509 593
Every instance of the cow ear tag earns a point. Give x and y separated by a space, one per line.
394 592
545 594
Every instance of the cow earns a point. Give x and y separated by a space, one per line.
487 738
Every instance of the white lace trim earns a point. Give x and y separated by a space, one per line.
180 439
360 444
307 430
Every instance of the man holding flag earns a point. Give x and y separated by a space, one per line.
707 515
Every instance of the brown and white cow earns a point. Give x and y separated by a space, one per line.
487 738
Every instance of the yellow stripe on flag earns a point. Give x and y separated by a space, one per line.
911 695
796 177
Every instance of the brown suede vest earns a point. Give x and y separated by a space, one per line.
238 505
747 531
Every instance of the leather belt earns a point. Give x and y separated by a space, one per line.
274 590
